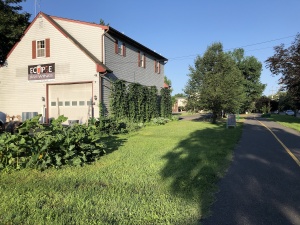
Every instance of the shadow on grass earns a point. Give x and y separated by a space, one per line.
198 162
113 143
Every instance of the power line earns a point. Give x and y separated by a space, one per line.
244 46
263 42
192 56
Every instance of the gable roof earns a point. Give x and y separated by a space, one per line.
100 67
112 31
134 43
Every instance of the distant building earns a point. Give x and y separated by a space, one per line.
65 67
179 104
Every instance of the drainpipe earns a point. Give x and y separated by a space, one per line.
106 28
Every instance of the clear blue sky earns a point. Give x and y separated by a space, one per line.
181 30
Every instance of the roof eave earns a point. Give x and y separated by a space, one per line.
118 34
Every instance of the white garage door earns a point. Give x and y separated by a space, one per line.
71 100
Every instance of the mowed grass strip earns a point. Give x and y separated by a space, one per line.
287 121
159 175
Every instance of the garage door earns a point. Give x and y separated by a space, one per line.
71 100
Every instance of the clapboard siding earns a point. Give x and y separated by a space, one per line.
90 34
127 68
75 48
71 63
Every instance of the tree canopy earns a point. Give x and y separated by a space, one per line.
13 24
251 69
215 82
167 81
286 62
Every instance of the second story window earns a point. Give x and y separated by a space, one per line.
141 60
157 66
120 48
40 47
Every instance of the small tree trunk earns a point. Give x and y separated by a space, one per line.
214 117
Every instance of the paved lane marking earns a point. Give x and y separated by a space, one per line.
286 148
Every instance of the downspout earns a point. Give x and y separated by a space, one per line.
103 47
100 75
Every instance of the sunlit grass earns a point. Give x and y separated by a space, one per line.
159 175
287 121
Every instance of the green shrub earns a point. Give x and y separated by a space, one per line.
112 125
160 121
266 115
41 147
139 103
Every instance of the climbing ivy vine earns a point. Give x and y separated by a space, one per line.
165 103
139 103
119 99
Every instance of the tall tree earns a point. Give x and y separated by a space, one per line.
216 83
13 24
168 82
251 69
102 22
286 62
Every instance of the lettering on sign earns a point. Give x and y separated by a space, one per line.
41 72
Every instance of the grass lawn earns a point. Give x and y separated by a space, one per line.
159 175
287 121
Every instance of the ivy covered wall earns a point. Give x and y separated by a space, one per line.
139 103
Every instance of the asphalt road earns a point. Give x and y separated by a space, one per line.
196 117
262 185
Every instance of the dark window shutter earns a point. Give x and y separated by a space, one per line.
47 47
158 67
124 50
116 46
144 61
139 59
34 49
155 66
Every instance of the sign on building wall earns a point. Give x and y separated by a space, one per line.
41 72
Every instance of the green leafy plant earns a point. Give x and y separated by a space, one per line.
165 103
55 145
160 121
139 103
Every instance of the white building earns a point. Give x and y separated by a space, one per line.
65 67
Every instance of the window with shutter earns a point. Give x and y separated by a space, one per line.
141 60
120 48
116 47
41 48
157 66
47 47
34 49
124 50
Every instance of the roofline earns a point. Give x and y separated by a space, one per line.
118 34
109 29
100 67
80 22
